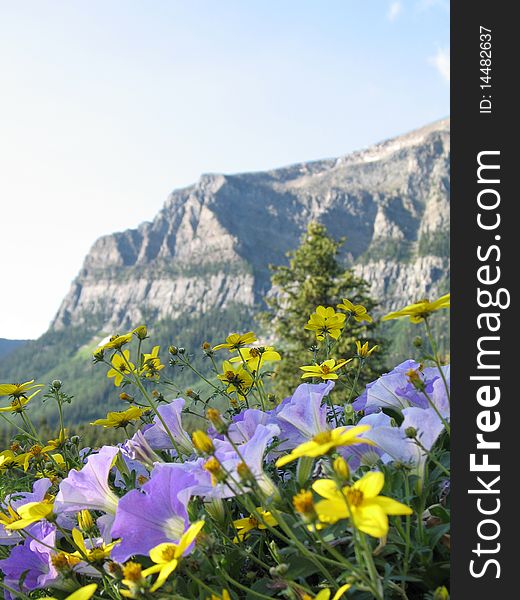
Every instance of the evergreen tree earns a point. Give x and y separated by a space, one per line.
315 276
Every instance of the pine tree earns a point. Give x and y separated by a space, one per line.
315 276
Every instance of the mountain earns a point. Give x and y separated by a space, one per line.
204 258
7 346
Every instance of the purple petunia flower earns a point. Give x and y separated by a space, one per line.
89 487
155 514
32 559
394 390
158 438
40 488
303 416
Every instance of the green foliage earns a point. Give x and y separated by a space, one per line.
66 354
315 276
400 250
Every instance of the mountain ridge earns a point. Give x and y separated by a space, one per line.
207 246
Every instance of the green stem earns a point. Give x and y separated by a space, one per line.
436 356
154 408
437 412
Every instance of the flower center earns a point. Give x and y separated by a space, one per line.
253 522
168 553
325 369
323 437
354 497
174 527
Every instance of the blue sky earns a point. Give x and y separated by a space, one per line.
108 105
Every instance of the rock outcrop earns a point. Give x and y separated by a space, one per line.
211 244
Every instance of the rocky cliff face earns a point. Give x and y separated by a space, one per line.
211 244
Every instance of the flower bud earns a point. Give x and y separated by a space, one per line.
340 467
56 384
202 442
173 350
85 521
410 432
141 332
98 355
126 397
244 472
441 593
216 420
417 341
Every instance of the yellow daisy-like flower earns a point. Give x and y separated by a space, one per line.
27 514
360 502
18 403
224 596
325 441
325 594
167 556
116 342
358 311
236 378
8 459
326 322
120 419
95 554
121 366
151 363
19 390
83 593
247 524
236 340
326 370
420 310
363 351
256 357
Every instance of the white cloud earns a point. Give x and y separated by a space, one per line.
394 10
441 61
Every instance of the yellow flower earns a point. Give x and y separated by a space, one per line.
27 514
326 321
116 342
133 579
17 404
247 524
326 370
360 502
303 503
85 520
202 442
363 351
325 594
225 596
84 593
96 554
213 467
17 390
8 459
323 442
237 340
167 556
256 357
141 332
420 310
238 379
358 311
121 366
151 363
120 419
